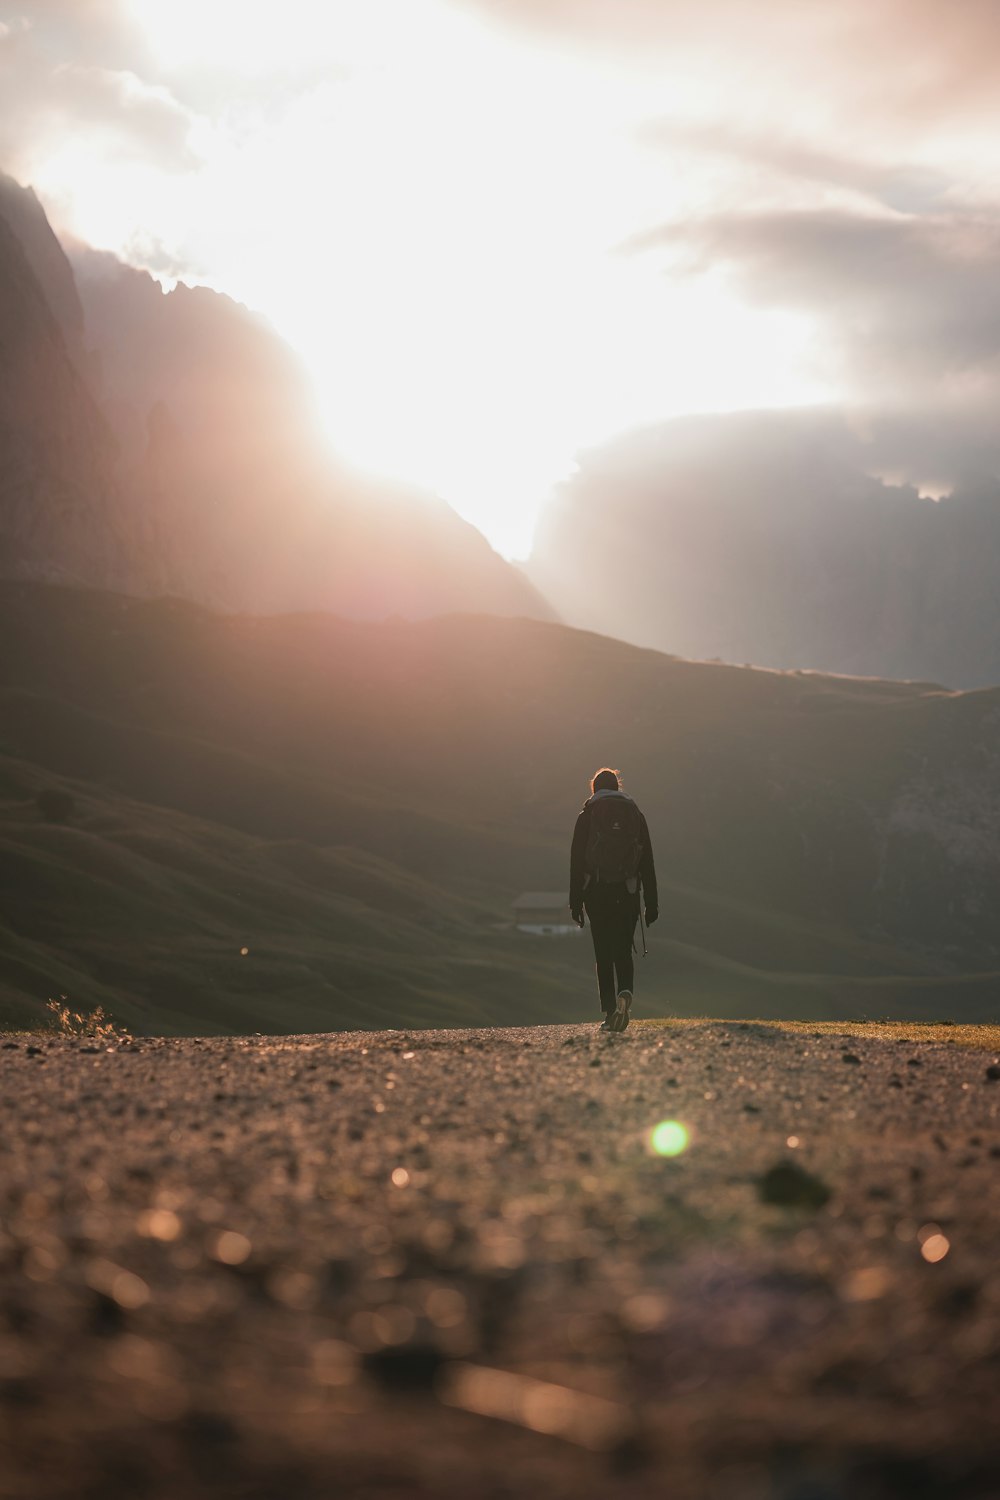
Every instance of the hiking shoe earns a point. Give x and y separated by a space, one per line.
624 1006
606 1024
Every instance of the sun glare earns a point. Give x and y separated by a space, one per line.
431 216
255 37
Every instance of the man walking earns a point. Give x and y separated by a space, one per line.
610 872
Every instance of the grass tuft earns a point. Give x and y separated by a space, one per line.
95 1024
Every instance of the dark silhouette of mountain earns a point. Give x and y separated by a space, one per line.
760 538
182 431
359 804
61 515
25 217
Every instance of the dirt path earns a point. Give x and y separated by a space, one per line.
426 1264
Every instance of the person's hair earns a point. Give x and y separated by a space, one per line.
606 780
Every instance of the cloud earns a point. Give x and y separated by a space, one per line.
832 158
910 303
786 161
828 158
75 65
146 118
901 67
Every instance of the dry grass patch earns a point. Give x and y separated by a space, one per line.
959 1034
94 1024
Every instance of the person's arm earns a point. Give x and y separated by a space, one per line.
647 875
577 873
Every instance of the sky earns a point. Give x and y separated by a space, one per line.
502 231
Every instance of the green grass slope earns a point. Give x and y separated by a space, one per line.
176 924
358 805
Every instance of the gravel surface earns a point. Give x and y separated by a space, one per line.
390 1264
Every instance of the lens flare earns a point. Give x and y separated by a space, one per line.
935 1247
669 1138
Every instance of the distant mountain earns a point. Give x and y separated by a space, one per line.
181 429
358 804
760 538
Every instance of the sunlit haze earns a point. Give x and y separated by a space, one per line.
476 230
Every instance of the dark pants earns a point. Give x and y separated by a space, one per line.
613 911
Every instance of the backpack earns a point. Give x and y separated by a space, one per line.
614 841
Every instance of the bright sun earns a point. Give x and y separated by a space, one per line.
431 216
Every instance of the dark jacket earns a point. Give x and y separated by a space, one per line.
577 872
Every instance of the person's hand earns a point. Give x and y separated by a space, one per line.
577 916
652 912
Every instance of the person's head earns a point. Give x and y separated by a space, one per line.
606 780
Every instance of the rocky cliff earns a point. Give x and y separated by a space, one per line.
61 516
25 217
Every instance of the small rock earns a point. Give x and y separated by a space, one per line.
632 1454
106 1316
993 1073
207 1430
339 1276
405 1370
850 1057
17 1391
791 1186
752 1109
960 1299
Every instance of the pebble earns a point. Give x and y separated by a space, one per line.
791 1186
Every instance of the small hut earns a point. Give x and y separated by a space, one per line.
543 912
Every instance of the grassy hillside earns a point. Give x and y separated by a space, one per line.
148 913
358 805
